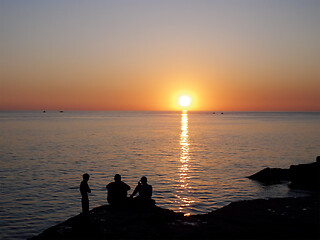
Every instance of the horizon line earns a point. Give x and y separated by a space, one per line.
180 110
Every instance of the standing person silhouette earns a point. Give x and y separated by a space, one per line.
145 192
84 189
117 191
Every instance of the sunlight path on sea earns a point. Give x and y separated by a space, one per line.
184 190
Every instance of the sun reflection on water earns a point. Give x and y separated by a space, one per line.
184 191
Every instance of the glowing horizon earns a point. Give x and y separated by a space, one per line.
225 55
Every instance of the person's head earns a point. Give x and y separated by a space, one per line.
144 179
117 177
86 176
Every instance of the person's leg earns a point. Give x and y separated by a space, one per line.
85 205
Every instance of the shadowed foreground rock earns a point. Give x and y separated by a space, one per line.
279 218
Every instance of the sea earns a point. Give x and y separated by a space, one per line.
196 162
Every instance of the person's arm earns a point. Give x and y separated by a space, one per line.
149 191
135 190
88 188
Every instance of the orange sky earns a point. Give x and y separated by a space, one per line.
228 56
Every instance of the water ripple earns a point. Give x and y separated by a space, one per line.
195 162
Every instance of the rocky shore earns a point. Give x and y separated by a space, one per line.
277 218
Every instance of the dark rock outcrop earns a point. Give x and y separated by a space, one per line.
108 222
272 175
279 218
304 176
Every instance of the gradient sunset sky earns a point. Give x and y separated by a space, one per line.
142 55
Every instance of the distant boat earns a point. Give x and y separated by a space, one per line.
222 113
44 111
214 113
61 111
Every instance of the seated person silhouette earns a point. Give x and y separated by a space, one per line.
84 190
145 192
117 191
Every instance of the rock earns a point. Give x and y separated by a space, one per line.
280 218
304 176
115 223
272 175
277 218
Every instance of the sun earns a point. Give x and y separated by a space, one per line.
184 101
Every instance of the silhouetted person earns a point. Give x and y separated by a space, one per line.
117 191
143 188
84 189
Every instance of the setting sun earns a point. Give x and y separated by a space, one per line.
184 101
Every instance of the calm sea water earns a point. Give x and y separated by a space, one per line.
196 162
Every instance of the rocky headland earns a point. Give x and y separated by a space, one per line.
302 176
277 218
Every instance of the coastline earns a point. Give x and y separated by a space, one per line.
275 218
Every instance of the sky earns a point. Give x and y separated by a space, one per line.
144 54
